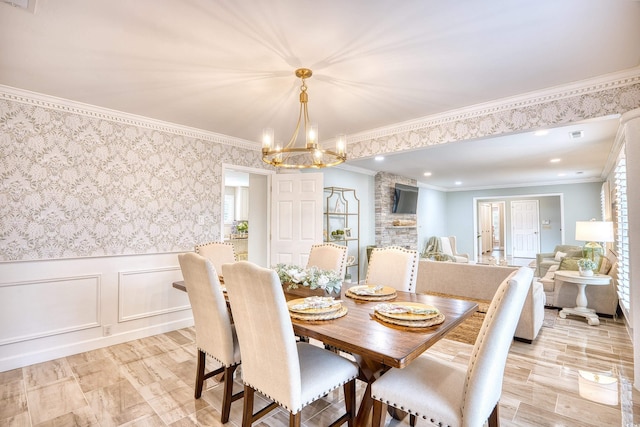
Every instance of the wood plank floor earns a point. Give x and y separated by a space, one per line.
149 382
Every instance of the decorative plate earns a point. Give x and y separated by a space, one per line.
438 319
370 290
314 305
406 311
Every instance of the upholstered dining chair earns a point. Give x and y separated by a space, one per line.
329 256
218 253
393 266
292 374
215 335
446 394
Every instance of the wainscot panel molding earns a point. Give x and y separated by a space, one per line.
25 315
55 308
147 293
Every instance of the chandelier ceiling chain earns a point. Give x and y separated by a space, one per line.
307 155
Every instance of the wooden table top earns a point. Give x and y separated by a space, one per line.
393 346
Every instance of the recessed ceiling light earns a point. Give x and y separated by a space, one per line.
554 160
576 134
561 174
427 174
542 132
458 182
379 158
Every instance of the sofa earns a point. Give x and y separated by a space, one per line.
480 282
547 259
603 299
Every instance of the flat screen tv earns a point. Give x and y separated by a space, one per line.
405 199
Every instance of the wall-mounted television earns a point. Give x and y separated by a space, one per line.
405 199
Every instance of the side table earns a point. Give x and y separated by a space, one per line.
581 300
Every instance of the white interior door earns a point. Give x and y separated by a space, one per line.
525 226
296 216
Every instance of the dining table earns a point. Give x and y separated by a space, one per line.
377 345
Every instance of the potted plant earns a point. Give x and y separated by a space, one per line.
586 266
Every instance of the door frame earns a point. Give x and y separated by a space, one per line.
508 237
250 170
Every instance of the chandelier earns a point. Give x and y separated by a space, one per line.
305 155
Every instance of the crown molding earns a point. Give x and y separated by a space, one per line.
594 85
35 99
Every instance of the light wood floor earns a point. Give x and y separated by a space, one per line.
149 382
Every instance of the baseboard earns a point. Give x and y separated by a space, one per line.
26 359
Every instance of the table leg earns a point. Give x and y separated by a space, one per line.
581 307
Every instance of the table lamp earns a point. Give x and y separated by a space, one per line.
593 232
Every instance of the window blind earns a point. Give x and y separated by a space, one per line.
622 235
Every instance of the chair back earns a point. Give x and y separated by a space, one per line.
483 385
329 256
393 266
214 333
218 253
270 362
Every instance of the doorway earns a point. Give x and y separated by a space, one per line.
245 212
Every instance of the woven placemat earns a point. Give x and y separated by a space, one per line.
411 323
322 316
371 297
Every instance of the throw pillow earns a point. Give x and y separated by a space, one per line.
560 255
605 267
569 263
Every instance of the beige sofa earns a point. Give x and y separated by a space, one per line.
545 260
481 282
603 299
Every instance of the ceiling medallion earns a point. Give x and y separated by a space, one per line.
307 154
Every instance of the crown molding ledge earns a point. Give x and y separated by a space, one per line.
35 99
549 107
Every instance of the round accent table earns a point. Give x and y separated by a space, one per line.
581 300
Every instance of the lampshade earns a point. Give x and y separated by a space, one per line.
594 231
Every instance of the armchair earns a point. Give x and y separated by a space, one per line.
547 259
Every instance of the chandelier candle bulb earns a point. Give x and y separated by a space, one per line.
267 138
341 143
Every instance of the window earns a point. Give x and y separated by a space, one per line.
622 234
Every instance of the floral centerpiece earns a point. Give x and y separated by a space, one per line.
313 277
587 266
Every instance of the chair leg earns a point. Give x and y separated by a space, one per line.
294 419
379 411
228 396
494 418
200 374
350 401
247 409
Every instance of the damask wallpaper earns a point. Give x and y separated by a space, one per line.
77 181
77 185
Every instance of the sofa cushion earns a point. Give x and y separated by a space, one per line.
559 256
569 263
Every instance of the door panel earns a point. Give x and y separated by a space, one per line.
296 216
525 237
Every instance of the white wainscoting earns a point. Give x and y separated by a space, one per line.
147 293
55 308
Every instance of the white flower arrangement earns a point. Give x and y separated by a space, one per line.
313 277
587 264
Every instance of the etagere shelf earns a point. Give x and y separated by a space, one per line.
342 225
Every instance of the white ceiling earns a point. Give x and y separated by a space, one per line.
227 67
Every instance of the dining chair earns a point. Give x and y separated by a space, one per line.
329 256
215 334
218 253
393 266
446 394
292 374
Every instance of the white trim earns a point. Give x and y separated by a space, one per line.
47 101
